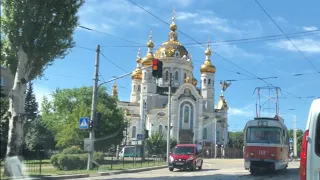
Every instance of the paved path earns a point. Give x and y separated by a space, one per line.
213 169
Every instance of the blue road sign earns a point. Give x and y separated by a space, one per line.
291 140
84 123
139 136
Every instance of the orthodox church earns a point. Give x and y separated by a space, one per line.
194 116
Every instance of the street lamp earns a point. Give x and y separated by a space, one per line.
294 134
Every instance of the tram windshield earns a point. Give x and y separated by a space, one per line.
263 135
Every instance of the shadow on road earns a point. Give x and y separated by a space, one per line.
292 174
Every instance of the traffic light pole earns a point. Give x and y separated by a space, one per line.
169 116
93 107
143 128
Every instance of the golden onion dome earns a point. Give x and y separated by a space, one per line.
150 44
137 74
194 82
147 61
208 52
207 67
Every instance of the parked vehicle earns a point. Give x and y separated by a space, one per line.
266 145
130 151
310 150
186 156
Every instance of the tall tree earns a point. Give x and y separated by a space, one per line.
156 144
35 33
31 105
4 122
62 114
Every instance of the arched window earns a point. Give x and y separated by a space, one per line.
167 76
177 54
134 132
186 115
163 54
176 76
160 129
205 81
185 76
139 88
205 133
209 81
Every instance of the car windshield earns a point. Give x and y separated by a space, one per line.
263 135
183 150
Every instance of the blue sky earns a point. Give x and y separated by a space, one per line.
217 19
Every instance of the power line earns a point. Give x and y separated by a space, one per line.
113 63
253 75
286 35
117 37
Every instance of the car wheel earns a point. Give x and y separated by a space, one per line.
170 168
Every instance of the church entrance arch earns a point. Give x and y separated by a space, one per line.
186 120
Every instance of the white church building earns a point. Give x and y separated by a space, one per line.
194 115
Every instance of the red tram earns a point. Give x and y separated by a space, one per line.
266 145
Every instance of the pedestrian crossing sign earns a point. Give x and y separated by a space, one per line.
84 123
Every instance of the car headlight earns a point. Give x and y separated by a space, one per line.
171 159
251 154
272 155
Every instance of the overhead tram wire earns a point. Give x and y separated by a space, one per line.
253 75
317 70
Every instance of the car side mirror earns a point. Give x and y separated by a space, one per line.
170 153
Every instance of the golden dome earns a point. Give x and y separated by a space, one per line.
114 90
207 67
147 61
137 74
208 52
150 44
172 47
139 57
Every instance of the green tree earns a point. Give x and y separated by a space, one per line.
157 144
34 34
4 124
62 114
299 138
31 105
39 136
236 139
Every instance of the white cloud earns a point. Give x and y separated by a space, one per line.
185 15
183 3
309 28
304 45
40 92
246 111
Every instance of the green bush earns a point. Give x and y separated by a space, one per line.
73 150
68 159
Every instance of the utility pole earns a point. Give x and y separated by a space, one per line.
143 128
93 107
169 116
294 136
215 139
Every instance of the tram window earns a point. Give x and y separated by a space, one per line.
317 139
264 135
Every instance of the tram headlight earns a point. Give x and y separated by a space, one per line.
272 155
251 154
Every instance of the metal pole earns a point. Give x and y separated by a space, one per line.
143 127
294 136
215 139
169 116
93 107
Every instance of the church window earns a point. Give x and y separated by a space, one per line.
185 75
176 76
205 81
209 81
186 114
205 133
167 76
218 137
134 132
163 54
139 88
177 54
160 129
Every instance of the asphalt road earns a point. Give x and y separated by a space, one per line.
213 169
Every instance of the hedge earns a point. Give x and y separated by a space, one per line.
74 159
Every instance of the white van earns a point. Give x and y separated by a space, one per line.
310 150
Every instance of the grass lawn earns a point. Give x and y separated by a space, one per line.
33 167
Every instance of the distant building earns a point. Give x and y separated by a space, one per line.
195 118
7 79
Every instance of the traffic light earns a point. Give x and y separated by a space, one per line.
90 124
157 68
146 134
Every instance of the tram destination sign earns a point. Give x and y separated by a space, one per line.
262 123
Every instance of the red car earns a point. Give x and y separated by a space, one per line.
186 156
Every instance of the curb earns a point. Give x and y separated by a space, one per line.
104 173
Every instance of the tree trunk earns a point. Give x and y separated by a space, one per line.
16 108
